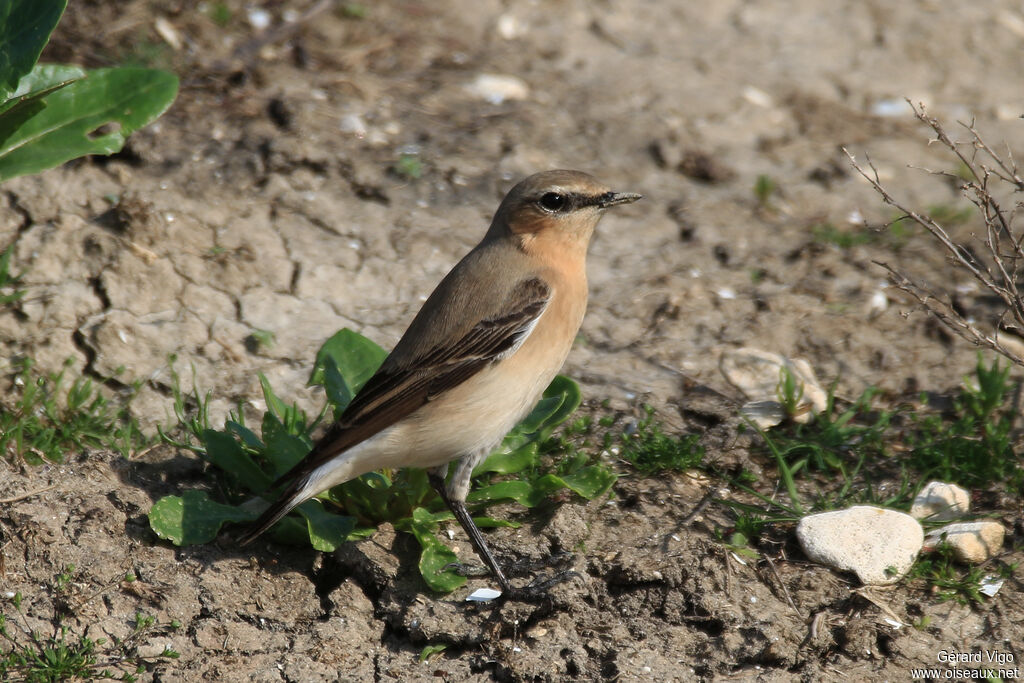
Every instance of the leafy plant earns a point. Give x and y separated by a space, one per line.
47 418
650 450
948 580
27 655
51 113
9 292
250 462
840 454
975 447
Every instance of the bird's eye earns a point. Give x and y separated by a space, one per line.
553 201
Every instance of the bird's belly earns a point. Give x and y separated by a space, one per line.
472 417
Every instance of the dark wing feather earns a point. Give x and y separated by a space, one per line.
397 390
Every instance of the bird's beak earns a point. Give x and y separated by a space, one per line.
614 198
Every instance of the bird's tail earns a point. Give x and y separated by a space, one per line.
292 496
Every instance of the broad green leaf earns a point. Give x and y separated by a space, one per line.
25 102
283 450
226 453
540 414
45 78
193 518
521 492
590 482
245 434
73 121
25 28
339 393
355 356
327 530
435 556
509 463
571 399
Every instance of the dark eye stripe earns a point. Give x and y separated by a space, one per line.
576 200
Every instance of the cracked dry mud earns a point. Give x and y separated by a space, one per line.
263 202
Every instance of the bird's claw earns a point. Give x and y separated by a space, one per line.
538 589
466 570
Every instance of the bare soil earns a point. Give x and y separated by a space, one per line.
267 199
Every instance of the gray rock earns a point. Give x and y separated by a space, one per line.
877 545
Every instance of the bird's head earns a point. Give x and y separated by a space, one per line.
560 207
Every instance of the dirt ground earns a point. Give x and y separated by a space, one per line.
267 199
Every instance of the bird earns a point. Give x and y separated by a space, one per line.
474 360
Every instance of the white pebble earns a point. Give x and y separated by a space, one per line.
483 595
496 88
259 18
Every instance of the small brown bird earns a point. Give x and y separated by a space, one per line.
475 359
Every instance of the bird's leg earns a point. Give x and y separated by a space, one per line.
458 508
454 496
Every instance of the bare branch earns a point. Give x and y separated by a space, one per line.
998 267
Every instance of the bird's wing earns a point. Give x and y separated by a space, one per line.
402 386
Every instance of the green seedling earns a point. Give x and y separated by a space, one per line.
248 462
826 233
650 450
975 446
948 580
764 188
219 13
409 166
46 419
9 292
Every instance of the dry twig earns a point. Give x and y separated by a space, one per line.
999 268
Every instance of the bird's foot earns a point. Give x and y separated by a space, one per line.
560 560
466 570
539 589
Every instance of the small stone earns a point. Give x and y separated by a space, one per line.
483 595
496 88
972 542
877 545
758 373
939 501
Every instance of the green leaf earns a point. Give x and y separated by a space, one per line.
435 556
283 450
42 80
522 492
509 463
275 406
327 530
589 482
25 28
571 396
492 523
245 434
71 124
193 518
26 100
339 393
355 356
223 451
431 650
